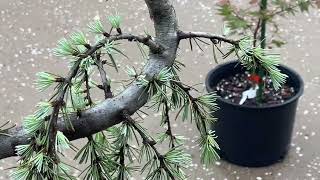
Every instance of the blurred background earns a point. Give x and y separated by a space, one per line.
30 29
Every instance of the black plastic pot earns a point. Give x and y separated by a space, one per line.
254 136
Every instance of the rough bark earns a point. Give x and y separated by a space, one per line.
133 98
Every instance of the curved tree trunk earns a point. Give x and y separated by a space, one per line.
133 98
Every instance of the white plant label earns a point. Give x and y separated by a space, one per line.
249 94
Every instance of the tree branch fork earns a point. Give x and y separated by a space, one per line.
110 112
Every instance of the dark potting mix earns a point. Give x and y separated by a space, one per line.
232 88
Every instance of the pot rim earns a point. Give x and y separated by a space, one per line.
295 97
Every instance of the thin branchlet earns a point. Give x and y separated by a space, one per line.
167 121
147 140
187 35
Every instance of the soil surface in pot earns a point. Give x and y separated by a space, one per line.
231 88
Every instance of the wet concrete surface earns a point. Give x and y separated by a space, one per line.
29 29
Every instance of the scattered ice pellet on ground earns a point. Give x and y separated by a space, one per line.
21 98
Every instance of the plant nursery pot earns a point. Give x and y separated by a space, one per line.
253 136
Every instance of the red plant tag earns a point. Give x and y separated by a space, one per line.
255 78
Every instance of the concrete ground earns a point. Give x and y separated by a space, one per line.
29 29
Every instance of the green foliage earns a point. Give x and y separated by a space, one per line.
46 79
166 166
25 151
278 43
226 30
233 20
21 173
110 49
125 134
32 124
62 142
253 58
142 81
147 153
249 20
100 164
157 87
96 27
66 48
131 71
39 167
208 148
44 110
87 64
110 154
304 5
125 172
178 140
115 21
165 75
270 62
177 157
78 101
78 38
198 109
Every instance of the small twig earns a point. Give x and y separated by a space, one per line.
255 34
190 42
86 78
202 41
146 40
187 87
279 12
186 90
4 124
167 121
149 141
186 35
57 104
105 85
214 54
